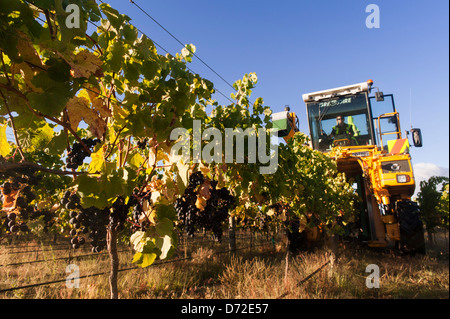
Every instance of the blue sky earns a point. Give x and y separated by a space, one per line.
297 47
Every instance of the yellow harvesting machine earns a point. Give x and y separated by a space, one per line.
362 133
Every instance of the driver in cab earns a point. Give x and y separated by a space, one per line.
343 131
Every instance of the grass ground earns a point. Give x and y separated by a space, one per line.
259 272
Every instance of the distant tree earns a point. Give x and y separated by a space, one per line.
443 208
432 205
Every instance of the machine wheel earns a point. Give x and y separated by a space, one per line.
412 238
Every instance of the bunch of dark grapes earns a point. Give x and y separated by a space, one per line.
263 222
137 202
89 221
14 225
196 179
216 210
142 144
188 214
17 186
119 212
137 211
77 154
93 221
214 213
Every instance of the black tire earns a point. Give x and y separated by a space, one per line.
412 237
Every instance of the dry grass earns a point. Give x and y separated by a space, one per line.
259 273
420 277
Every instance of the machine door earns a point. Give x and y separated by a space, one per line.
385 120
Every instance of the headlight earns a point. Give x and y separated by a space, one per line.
401 178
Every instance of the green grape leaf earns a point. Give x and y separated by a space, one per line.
149 69
115 186
115 56
58 143
146 250
87 185
43 137
54 96
129 33
164 227
114 17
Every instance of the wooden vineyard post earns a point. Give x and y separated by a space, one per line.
114 260
232 234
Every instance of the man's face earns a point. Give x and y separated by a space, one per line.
340 121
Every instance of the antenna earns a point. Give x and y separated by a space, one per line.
410 112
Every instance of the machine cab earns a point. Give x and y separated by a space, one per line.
347 116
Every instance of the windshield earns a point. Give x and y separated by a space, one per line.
339 121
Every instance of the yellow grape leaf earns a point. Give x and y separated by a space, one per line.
155 184
200 203
98 161
75 109
112 134
204 169
136 160
5 148
97 126
170 189
156 155
152 217
119 112
155 196
183 172
78 110
151 157
43 137
84 64
162 156
147 259
97 102
137 257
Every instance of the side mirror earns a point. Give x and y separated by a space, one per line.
417 137
379 96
